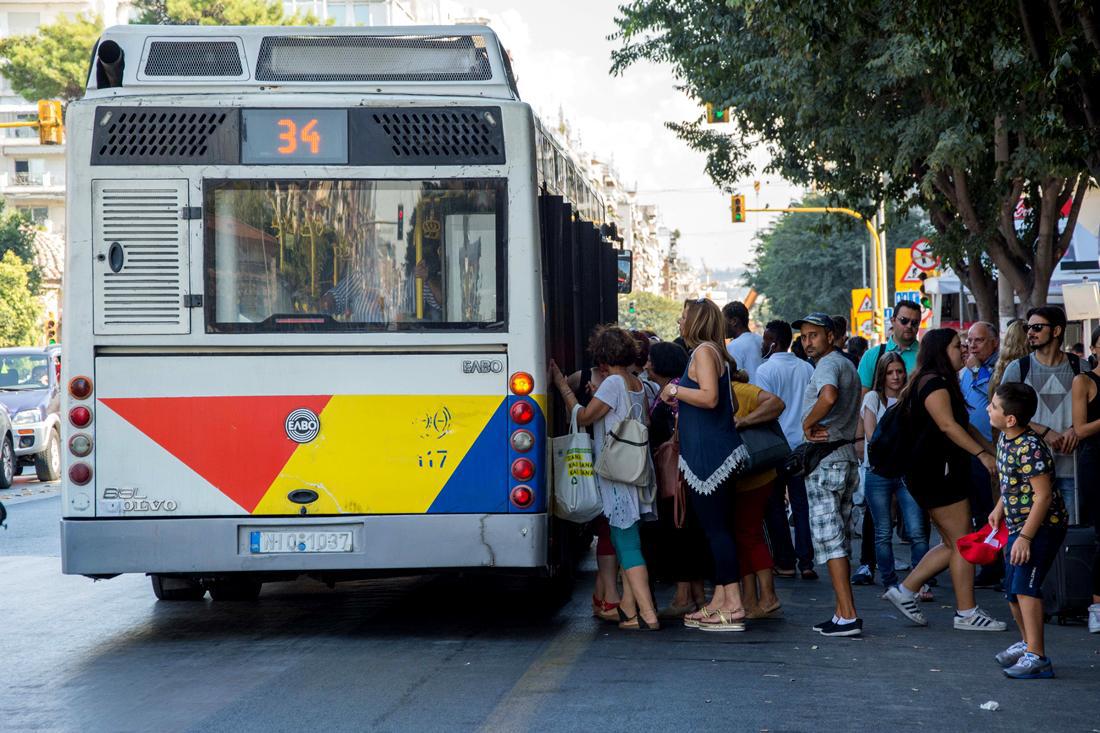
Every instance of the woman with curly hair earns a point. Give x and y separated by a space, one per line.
619 396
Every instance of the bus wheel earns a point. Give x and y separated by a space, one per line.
235 589
176 589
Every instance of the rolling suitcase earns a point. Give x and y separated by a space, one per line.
1067 590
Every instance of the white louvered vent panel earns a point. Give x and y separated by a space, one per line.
145 296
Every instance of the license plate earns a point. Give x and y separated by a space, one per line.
268 541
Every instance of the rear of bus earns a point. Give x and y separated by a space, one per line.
303 308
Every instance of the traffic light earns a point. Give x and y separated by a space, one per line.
925 299
51 130
717 115
631 307
51 329
876 322
400 222
737 207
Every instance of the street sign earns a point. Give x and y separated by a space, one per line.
863 311
920 254
887 314
906 273
911 295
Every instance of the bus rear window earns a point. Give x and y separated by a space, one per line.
354 255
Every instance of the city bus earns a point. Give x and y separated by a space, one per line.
313 280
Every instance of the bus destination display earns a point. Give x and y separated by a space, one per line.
284 136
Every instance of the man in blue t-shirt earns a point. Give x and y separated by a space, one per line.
906 322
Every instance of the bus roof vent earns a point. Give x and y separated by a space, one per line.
164 136
379 58
429 135
191 58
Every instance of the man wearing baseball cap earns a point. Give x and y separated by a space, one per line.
830 415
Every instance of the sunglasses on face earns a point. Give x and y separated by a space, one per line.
1037 327
908 321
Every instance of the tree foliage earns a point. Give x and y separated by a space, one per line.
18 306
808 262
17 235
651 313
52 63
873 100
217 12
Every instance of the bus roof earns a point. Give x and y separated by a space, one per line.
459 60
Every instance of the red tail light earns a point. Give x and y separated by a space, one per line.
523 469
522 412
80 473
80 416
80 387
522 497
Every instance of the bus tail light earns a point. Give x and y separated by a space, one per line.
522 412
80 387
522 497
523 469
80 473
522 441
80 416
80 445
522 384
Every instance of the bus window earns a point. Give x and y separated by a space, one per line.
354 255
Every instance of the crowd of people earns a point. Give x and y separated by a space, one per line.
1001 431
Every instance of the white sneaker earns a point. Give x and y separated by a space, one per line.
907 605
1094 618
979 621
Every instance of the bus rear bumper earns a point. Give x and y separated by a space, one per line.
223 544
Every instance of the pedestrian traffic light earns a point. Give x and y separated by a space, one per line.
51 329
400 222
51 131
737 207
925 299
717 115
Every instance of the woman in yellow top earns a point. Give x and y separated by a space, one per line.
754 407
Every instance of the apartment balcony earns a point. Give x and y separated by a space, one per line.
47 186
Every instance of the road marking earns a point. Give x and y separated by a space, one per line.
543 679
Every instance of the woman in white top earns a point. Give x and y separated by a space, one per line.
620 395
880 491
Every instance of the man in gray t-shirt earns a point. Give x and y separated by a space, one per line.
830 412
1050 373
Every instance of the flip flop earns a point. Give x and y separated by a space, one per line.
723 624
693 623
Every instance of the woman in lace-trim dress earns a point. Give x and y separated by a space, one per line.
711 454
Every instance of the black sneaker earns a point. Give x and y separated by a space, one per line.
823 624
852 628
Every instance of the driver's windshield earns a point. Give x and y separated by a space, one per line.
24 371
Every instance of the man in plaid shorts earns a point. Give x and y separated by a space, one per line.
830 414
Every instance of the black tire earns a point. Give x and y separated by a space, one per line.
7 463
176 589
235 589
47 464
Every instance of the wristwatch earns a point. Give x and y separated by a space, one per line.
672 392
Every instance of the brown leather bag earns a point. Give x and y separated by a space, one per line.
666 462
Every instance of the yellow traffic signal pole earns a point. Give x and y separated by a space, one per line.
878 280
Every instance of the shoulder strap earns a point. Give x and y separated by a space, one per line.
881 351
1025 367
1074 363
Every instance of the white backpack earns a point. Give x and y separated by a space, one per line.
625 455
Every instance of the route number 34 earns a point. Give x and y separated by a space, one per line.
292 135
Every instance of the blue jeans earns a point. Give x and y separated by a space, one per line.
878 492
779 531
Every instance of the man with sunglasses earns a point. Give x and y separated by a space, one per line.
906 322
1050 372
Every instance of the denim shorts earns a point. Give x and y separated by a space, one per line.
1027 579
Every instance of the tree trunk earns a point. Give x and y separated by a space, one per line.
984 288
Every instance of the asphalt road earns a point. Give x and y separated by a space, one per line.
448 653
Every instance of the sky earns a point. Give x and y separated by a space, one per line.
561 57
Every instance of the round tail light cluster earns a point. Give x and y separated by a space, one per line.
522 412
522 497
80 445
522 384
80 473
522 441
80 416
80 387
523 469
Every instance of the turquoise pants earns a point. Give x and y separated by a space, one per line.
628 546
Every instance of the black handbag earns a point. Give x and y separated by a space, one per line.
766 445
805 458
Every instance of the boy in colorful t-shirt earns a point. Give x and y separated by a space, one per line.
1036 516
